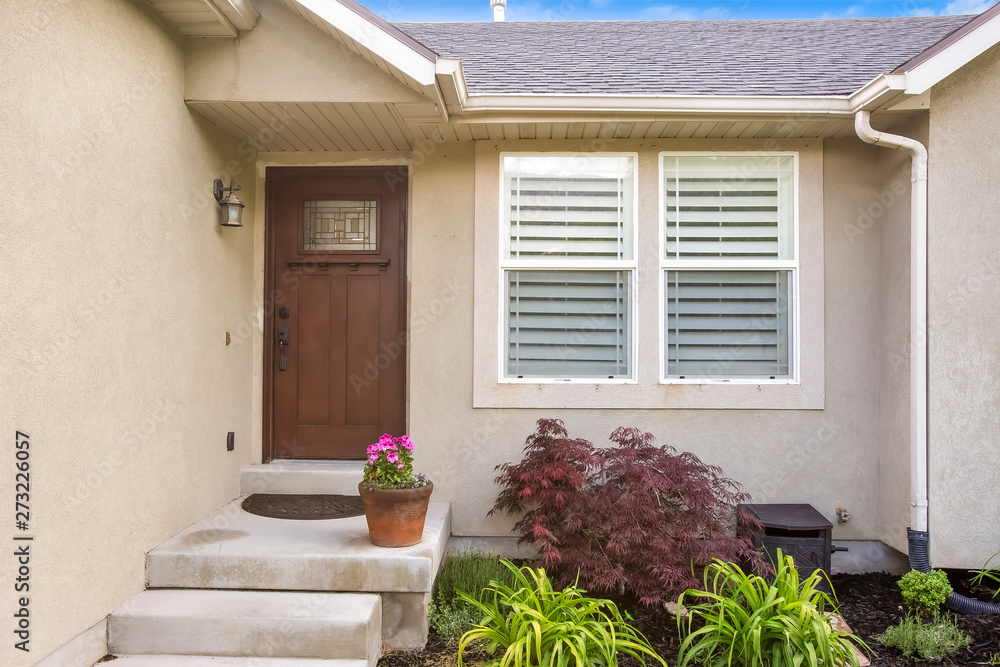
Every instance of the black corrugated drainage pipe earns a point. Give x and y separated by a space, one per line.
920 560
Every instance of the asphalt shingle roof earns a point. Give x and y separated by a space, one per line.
790 57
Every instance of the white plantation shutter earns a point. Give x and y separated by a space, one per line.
727 323
728 206
568 264
729 265
568 323
570 208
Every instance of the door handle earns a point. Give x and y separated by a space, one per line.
283 340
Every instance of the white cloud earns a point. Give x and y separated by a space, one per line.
967 7
921 11
532 10
853 10
678 13
667 13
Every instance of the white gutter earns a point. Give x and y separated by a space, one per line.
802 106
918 309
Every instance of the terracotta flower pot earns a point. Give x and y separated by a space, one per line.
395 516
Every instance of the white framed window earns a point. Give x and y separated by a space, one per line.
729 267
567 267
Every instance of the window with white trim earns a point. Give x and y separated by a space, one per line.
729 266
568 265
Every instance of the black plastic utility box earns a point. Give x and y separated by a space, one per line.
798 530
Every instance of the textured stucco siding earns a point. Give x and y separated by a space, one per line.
285 59
118 289
964 312
827 457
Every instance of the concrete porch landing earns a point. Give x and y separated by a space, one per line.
232 549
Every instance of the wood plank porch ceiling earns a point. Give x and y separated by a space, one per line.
326 126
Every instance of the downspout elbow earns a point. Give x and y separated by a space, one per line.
917 151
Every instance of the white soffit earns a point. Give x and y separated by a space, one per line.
372 38
953 53
310 126
196 17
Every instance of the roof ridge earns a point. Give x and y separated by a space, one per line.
501 24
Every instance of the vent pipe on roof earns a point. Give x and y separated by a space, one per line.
499 7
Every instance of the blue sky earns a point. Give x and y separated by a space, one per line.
555 10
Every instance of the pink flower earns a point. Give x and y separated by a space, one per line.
400 465
392 457
407 444
372 458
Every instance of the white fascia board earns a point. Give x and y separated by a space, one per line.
706 104
953 57
241 13
371 36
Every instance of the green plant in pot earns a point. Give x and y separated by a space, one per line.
395 498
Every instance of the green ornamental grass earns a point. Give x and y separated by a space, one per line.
538 626
750 621
988 574
468 572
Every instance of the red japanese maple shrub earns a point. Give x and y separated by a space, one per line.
637 518
549 489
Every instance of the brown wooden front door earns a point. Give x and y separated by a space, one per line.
336 246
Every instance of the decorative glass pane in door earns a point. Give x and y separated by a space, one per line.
340 225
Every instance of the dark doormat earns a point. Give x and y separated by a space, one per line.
303 506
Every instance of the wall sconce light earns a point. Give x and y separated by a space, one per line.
230 207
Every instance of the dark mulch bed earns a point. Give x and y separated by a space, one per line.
869 602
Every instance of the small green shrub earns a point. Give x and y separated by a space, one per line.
452 620
989 574
469 572
537 625
749 621
935 639
925 592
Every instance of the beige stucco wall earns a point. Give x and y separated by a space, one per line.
964 313
118 289
825 457
286 59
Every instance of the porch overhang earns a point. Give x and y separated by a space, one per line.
446 110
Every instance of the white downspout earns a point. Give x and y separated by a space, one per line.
918 309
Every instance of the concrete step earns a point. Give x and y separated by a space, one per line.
232 549
224 661
286 476
248 623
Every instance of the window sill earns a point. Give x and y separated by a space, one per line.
650 396
566 381
729 381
